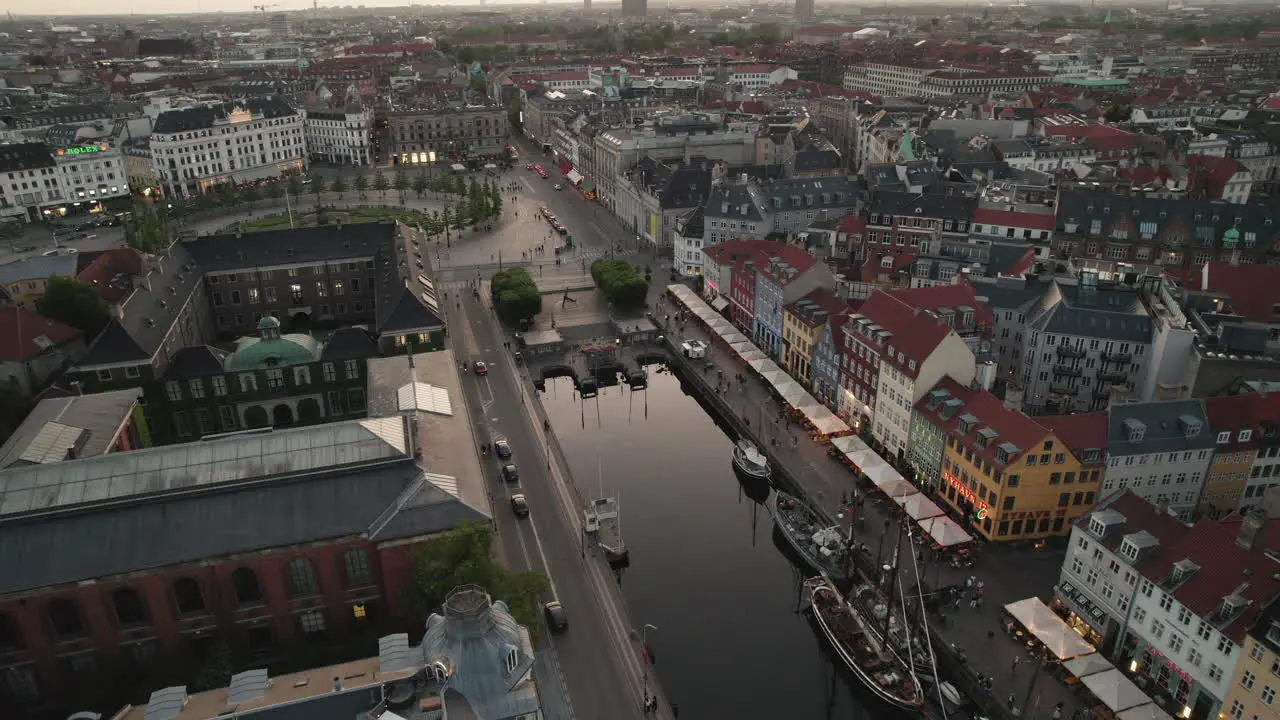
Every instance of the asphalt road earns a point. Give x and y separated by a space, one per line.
598 657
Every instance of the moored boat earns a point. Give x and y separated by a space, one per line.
852 635
749 461
822 545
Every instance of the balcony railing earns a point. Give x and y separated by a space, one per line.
1113 377
1067 370
1116 357
1062 389
1069 352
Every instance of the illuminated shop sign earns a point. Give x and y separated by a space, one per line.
82 150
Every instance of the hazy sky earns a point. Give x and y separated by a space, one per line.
87 8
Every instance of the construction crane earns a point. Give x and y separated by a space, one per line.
264 8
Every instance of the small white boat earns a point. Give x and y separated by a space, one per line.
750 461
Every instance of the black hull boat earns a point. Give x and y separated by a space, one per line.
821 545
858 646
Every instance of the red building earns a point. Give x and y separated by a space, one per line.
141 562
742 294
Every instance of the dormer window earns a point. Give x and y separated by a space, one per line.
1135 430
1092 455
512 660
1224 437
1129 550
1190 426
1097 527
1246 435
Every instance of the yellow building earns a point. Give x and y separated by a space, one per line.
24 282
1251 692
802 322
1235 421
1010 475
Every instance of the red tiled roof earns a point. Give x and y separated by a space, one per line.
730 250
1224 567
852 224
1080 432
1251 288
20 328
953 296
1013 218
914 334
1011 426
1211 174
788 256
1239 412
111 273
1271 103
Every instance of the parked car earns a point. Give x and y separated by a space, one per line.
502 449
480 368
510 473
557 186
519 505
557 618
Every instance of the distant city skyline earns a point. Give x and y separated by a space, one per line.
90 9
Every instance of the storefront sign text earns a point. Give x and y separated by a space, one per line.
82 150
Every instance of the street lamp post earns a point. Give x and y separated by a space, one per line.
644 657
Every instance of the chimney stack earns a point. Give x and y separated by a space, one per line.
1253 525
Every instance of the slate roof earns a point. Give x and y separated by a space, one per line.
113 345
350 343
1194 221
25 335
927 205
1106 314
204 117
25 156
41 267
728 200
1162 429
197 361
405 312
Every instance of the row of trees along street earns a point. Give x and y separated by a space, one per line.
151 225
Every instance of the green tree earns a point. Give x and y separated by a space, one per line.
476 205
460 217
249 195
400 183
256 417
515 295
293 185
74 303
145 231
227 195
1118 113
361 182
495 200
464 556
621 282
421 184
216 670
337 186
317 187
14 406
275 191
380 184
446 220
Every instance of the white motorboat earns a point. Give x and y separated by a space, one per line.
750 461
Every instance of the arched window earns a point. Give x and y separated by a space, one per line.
130 609
9 635
355 564
64 615
187 595
245 582
302 577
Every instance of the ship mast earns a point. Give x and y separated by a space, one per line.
893 584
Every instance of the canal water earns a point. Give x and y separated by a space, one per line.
706 568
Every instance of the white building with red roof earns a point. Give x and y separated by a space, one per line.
913 350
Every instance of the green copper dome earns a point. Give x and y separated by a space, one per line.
1231 236
273 349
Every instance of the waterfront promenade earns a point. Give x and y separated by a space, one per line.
1008 574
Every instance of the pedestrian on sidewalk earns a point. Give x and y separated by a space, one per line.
973 602
1016 660
956 605
1011 701
1057 711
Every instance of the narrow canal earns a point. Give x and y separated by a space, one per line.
706 569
